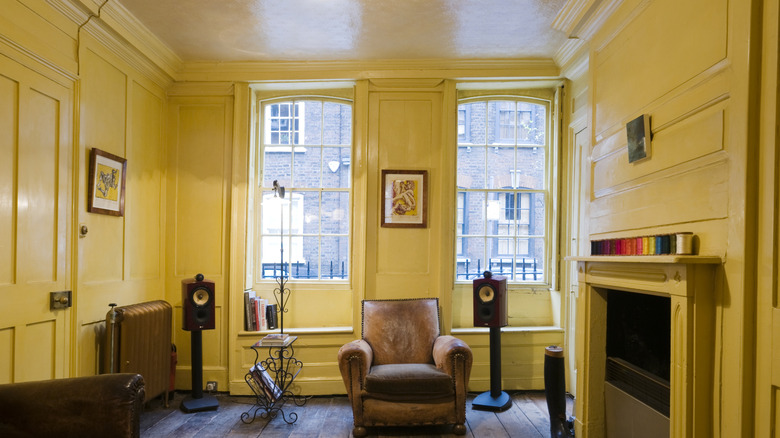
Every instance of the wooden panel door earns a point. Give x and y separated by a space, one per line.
35 187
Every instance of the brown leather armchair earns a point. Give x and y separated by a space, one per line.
107 405
402 372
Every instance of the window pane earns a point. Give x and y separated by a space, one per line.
306 168
335 167
501 122
475 129
335 213
308 122
530 260
536 215
335 252
338 124
532 123
309 222
500 164
471 167
474 214
530 165
276 166
472 263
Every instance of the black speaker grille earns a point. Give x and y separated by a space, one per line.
645 387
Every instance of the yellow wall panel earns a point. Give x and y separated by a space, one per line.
7 349
39 181
694 137
144 202
667 44
200 194
9 116
403 251
697 195
103 123
36 351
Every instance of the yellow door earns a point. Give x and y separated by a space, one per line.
35 187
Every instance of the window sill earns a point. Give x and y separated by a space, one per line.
301 331
528 329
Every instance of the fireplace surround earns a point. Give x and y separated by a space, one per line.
689 283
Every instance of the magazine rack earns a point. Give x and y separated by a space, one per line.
270 379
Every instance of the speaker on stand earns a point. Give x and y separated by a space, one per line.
490 310
197 304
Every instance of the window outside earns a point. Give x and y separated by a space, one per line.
502 189
306 147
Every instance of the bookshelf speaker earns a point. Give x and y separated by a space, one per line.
490 301
197 303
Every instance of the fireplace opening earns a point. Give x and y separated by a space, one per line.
639 346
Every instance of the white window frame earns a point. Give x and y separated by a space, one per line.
548 191
267 254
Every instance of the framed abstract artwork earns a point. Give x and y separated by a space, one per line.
405 198
106 184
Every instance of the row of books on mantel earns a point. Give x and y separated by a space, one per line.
259 314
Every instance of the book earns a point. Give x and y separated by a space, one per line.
264 380
272 316
260 317
249 324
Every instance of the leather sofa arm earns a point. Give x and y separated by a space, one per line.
94 406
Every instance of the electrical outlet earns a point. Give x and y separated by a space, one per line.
211 386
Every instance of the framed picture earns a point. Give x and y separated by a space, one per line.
638 133
405 198
106 193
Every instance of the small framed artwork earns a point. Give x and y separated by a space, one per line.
405 198
106 193
638 132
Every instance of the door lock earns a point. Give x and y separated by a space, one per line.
60 300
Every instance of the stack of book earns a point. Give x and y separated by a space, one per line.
272 339
259 314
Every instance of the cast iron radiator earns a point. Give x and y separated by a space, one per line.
138 340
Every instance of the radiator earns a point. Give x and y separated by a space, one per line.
138 340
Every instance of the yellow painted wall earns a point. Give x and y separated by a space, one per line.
687 64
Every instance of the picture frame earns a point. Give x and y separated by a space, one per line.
106 183
404 198
638 135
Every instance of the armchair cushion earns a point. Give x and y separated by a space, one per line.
409 379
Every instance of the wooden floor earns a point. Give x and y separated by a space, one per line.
328 417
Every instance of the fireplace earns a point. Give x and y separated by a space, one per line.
644 350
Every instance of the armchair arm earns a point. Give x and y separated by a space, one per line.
454 357
450 352
354 361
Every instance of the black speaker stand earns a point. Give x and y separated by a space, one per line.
198 402
494 400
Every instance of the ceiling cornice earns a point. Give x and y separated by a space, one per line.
123 35
571 15
425 68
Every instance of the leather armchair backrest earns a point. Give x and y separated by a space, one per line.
401 331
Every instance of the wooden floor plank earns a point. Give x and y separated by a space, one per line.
329 417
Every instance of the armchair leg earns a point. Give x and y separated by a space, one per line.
359 431
459 429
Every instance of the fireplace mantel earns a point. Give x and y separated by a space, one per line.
690 282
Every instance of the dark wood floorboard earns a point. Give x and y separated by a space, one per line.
329 417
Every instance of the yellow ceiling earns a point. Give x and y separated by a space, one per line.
352 30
